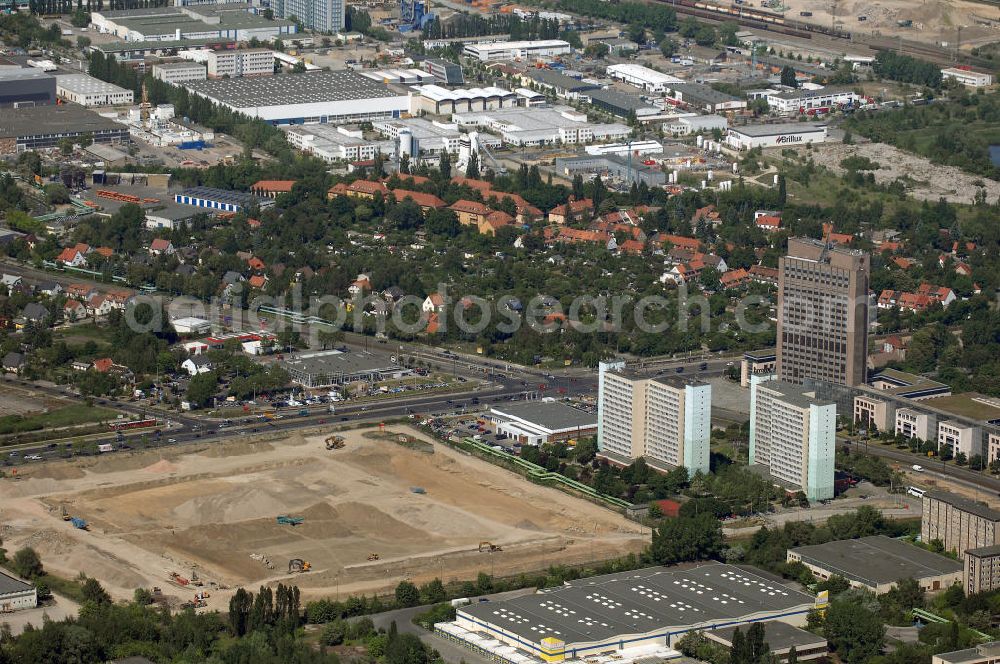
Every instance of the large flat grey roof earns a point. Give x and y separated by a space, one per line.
551 415
336 363
9 584
640 602
305 88
40 120
964 504
877 560
778 635
697 91
22 73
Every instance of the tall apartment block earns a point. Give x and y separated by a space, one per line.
322 15
822 313
794 434
665 420
982 570
959 523
242 62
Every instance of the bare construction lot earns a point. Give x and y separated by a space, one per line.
207 509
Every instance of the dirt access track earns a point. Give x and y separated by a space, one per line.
207 508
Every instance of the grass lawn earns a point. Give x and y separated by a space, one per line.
79 334
59 417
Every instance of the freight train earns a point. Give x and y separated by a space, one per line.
753 17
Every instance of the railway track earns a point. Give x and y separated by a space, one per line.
774 22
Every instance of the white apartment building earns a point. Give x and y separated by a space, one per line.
959 438
794 434
517 50
89 91
179 72
967 77
648 79
665 420
243 62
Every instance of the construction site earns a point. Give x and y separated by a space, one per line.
342 514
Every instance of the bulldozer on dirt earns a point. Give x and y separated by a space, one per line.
335 443
297 565
489 547
372 556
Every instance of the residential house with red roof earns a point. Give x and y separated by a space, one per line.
708 215
256 264
689 243
494 221
734 278
572 210
433 304
427 202
768 223
361 285
257 281
470 213
764 275
271 188
161 247
74 256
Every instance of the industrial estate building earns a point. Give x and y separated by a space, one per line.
307 98
774 135
179 72
648 79
513 50
209 21
793 434
16 594
25 87
810 102
436 100
423 136
958 523
705 98
642 613
984 653
613 166
665 420
982 570
89 91
23 129
822 313
326 368
542 126
781 638
967 77
449 73
878 563
336 142
540 422
221 200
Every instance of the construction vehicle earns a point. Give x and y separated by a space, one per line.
195 581
78 523
65 514
418 489
335 443
285 520
297 565
178 579
372 556
489 547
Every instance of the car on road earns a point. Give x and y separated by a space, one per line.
918 468
702 366
171 440
33 457
679 369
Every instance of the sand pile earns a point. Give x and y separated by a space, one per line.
161 466
241 503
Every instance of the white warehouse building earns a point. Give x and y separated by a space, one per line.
308 98
968 77
776 135
648 79
16 594
517 50
89 91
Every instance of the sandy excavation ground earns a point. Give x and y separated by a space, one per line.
934 21
207 509
929 181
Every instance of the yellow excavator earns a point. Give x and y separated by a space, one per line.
297 565
489 547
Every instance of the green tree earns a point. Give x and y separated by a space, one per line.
333 633
27 563
788 77
854 630
686 539
668 47
407 594
92 591
202 388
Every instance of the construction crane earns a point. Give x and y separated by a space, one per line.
144 106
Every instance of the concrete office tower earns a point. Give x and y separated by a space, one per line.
666 421
794 435
322 15
822 313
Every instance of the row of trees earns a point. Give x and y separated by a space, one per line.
907 69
